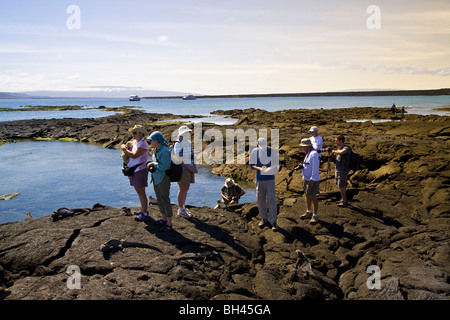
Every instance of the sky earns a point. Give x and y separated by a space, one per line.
224 47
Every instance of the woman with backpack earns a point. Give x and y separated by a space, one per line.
161 160
183 149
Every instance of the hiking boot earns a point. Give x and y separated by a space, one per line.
314 219
306 215
274 227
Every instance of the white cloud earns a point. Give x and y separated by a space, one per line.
110 88
163 38
17 80
400 70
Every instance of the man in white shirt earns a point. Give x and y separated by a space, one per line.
311 180
316 140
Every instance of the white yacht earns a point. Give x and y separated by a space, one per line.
134 97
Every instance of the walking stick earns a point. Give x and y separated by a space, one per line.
328 174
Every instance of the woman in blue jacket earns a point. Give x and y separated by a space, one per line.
161 160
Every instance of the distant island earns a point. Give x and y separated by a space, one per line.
154 94
113 93
12 95
432 92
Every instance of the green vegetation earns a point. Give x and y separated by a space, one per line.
446 108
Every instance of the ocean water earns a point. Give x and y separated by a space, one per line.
54 174
415 105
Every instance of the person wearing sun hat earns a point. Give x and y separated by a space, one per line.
316 140
231 192
311 180
161 160
183 149
138 156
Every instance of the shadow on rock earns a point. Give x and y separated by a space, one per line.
200 250
376 216
220 235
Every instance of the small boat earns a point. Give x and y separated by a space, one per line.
134 97
189 97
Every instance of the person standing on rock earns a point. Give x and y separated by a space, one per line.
161 160
138 155
311 180
316 140
183 149
341 158
265 161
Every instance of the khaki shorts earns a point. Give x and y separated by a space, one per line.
311 190
187 177
340 178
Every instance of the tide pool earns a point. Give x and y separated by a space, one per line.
53 174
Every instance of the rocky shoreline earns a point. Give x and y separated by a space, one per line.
397 221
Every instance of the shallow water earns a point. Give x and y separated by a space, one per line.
371 120
54 174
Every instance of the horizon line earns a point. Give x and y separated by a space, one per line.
355 92
382 92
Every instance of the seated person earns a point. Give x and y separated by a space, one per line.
230 192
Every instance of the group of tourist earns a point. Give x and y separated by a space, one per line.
263 159
311 179
161 160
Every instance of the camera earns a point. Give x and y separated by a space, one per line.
326 150
151 168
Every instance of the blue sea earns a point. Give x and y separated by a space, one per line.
49 175
415 104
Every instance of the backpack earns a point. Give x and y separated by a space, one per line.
354 162
176 170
